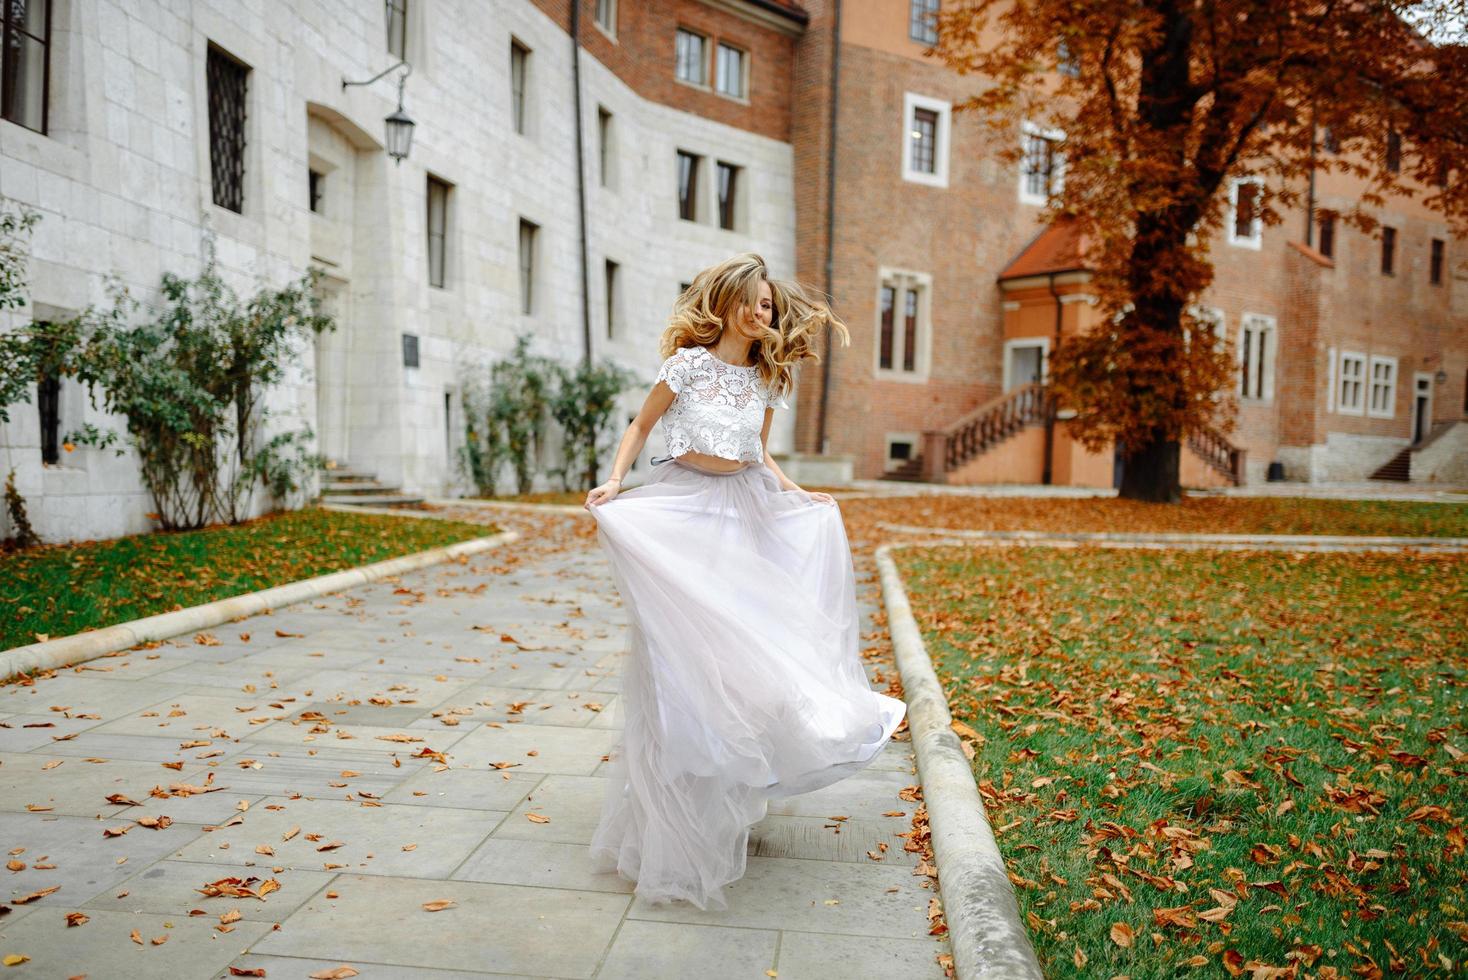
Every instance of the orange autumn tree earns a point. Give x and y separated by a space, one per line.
1161 103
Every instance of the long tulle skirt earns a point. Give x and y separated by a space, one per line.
743 678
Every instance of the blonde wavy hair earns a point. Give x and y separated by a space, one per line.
714 299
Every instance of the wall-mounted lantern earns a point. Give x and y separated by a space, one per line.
399 137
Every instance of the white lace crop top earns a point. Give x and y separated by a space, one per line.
718 408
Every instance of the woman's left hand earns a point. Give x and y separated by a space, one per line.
821 497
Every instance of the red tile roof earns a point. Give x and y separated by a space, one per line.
1057 248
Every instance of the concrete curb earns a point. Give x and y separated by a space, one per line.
984 927
67 650
1221 542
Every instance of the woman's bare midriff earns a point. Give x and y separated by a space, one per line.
721 463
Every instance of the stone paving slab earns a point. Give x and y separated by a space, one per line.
376 661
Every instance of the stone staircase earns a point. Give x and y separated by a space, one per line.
355 488
911 471
1398 468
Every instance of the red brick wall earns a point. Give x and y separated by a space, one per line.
642 55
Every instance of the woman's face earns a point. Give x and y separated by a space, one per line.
763 314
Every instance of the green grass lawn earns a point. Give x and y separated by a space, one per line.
59 590
1200 761
1194 515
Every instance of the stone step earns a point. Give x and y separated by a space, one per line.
371 500
356 486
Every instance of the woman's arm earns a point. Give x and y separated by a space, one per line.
633 440
785 482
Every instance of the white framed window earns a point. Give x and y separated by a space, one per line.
1351 395
1026 361
1257 347
902 447
1330 389
1245 229
1381 401
606 17
691 57
1042 167
1212 320
904 324
729 71
925 124
689 167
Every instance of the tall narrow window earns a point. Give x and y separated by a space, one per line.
604 145
48 400
227 79
1393 151
315 189
1382 401
1038 172
691 57
1388 249
1327 234
1353 376
903 299
519 69
729 77
1256 357
410 350
1065 62
909 331
1328 141
611 284
728 187
688 185
397 29
889 302
1435 263
528 231
438 213
924 138
606 16
1245 226
25 59
922 21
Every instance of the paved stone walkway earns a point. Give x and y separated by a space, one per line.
435 738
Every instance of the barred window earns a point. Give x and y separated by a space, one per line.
922 21
1388 250
227 80
1039 166
1327 235
397 28
1435 263
25 58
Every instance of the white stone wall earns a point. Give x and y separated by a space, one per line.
122 182
1444 459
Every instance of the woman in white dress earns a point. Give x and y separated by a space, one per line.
743 678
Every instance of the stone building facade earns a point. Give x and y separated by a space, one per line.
431 264
572 168
918 243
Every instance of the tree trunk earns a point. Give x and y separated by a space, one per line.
1152 474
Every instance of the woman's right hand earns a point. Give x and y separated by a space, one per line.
603 493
